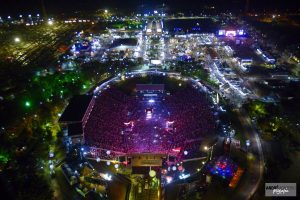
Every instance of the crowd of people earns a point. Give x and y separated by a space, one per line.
119 122
191 112
105 123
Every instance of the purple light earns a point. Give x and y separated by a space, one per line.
230 33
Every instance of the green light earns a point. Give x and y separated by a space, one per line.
27 104
4 156
84 86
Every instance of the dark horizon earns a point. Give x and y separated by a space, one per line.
14 7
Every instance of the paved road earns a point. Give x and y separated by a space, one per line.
253 176
254 173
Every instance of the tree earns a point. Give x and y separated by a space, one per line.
257 109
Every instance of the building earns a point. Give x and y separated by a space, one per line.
154 27
150 91
75 116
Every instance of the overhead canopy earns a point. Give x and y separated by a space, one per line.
76 109
75 129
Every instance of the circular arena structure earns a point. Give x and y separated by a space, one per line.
148 113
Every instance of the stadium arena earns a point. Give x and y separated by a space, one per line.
153 113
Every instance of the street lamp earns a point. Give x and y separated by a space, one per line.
17 40
209 151
247 143
50 22
106 11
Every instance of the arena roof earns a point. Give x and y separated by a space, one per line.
76 109
75 129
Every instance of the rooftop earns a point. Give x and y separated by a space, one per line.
123 42
76 109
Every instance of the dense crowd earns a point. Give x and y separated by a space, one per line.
118 121
104 126
191 112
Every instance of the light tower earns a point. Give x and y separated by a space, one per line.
247 6
44 9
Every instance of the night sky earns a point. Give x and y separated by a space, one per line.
58 6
